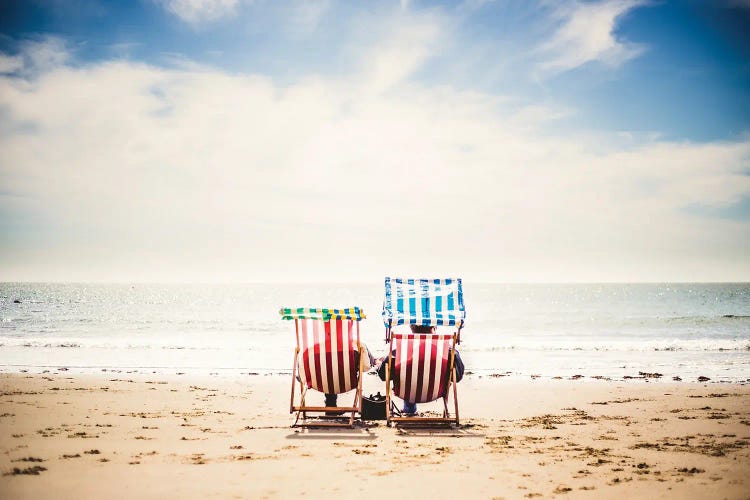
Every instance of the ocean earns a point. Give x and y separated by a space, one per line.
685 330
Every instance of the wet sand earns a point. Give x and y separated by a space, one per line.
125 435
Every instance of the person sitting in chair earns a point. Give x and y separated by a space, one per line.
458 364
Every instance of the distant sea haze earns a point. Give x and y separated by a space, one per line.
617 331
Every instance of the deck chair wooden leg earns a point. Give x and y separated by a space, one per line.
358 403
358 393
455 399
453 374
355 404
388 390
294 380
302 404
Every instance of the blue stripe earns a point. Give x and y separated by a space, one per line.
439 302
412 302
400 301
461 301
387 310
451 305
446 299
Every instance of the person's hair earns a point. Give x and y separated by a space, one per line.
422 328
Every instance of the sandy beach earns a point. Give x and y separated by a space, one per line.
124 435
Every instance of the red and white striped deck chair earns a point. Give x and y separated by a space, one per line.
421 365
328 359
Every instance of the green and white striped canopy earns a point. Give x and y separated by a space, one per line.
323 313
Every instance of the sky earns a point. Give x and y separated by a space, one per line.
343 141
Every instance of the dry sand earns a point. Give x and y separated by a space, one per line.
130 435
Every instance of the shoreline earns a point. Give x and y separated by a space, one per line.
151 435
474 374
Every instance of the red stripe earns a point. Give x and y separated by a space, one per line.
329 360
305 361
420 367
409 396
353 365
432 366
396 371
340 354
444 366
316 351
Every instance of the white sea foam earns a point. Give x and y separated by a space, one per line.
693 345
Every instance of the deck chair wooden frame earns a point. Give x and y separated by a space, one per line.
426 303
320 413
451 385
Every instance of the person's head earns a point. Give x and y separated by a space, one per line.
422 329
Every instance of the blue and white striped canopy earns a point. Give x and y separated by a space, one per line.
427 302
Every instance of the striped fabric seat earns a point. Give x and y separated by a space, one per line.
328 360
428 302
420 367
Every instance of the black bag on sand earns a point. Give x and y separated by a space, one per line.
373 407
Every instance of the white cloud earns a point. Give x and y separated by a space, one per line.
10 64
304 16
297 18
196 12
401 50
44 54
587 34
135 172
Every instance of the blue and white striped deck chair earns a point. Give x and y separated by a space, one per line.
421 365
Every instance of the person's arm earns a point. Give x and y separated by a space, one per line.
458 365
381 368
